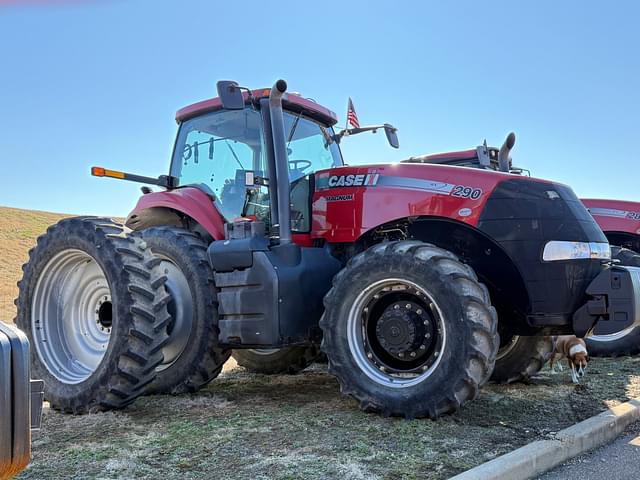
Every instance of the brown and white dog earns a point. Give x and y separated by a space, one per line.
575 351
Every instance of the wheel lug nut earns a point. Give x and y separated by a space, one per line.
435 354
419 311
426 322
396 306
425 368
369 356
408 306
423 347
412 354
400 354
427 335
376 296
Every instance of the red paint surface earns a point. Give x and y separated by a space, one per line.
371 206
609 223
190 201
346 221
214 104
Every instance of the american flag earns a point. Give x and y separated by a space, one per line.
352 118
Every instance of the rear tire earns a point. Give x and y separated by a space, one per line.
289 360
519 358
93 304
192 357
409 331
626 342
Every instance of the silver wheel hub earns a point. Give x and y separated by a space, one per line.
181 309
71 316
396 333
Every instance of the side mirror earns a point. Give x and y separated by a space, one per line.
230 95
392 135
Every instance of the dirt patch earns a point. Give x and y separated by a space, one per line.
281 427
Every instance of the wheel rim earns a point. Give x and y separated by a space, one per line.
71 316
507 347
264 351
612 337
396 333
181 309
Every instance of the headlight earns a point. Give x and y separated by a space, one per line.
561 250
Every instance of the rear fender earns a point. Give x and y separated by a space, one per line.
167 208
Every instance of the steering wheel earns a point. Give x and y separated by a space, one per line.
293 164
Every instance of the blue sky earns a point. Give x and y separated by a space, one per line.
98 83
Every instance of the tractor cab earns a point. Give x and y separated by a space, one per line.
227 153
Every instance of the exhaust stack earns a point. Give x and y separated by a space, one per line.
504 161
282 160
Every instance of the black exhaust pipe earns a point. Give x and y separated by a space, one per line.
504 162
282 160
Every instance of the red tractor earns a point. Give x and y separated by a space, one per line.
263 239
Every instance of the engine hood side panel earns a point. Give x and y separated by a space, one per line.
349 201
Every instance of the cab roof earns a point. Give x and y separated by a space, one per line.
291 101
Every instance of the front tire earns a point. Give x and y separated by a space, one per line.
274 361
192 357
409 331
93 304
519 358
626 342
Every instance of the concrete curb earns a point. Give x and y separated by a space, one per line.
543 455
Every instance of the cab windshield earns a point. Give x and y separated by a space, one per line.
213 151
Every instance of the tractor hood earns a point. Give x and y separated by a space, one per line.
383 193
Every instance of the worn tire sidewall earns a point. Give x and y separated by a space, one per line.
164 243
81 236
514 365
419 272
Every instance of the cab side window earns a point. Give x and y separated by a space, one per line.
214 151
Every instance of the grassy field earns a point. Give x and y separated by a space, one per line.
285 427
18 231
